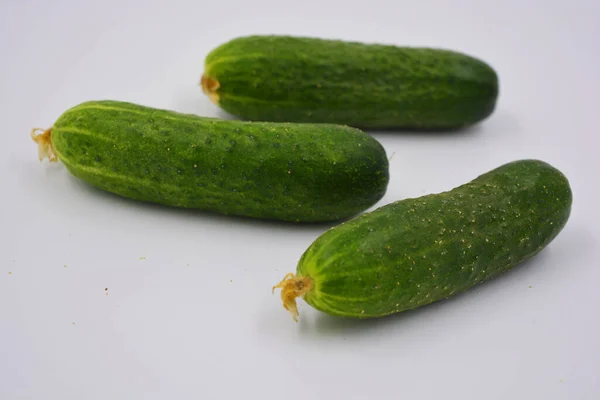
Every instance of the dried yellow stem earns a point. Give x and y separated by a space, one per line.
293 286
44 141
210 87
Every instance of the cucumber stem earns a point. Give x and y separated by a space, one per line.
293 286
44 141
209 87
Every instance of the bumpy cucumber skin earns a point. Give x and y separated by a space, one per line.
280 171
417 251
298 79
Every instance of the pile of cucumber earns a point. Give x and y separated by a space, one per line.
297 153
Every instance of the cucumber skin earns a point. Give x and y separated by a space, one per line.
417 251
288 172
298 79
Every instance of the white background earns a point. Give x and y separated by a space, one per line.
188 313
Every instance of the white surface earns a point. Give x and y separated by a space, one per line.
195 318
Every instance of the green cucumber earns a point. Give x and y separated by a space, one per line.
280 171
417 251
300 79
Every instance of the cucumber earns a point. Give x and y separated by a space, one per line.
300 79
417 251
280 171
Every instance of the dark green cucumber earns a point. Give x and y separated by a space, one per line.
282 171
417 251
299 79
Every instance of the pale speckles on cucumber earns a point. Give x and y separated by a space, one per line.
363 85
417 251
260 170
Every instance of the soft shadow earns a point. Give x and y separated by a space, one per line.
225 115
327 325
203 215
197 103
464 131
499 121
